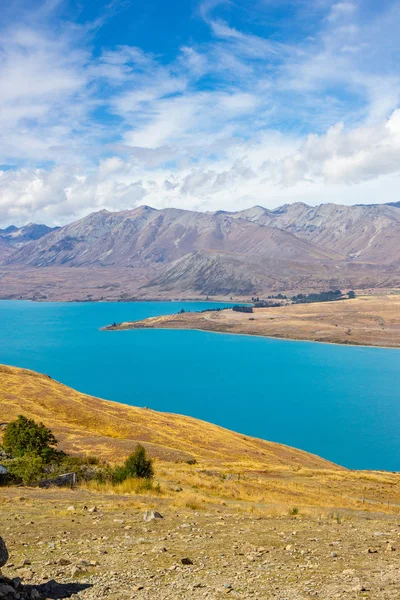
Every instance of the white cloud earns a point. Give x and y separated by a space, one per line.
231 122
350 157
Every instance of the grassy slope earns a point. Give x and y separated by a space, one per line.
87 424
233 468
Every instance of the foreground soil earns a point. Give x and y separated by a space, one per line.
365 320
87 545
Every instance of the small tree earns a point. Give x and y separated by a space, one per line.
24 436
351 294
138 464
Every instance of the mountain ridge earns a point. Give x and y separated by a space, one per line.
254 250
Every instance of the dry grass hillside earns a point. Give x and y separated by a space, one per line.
365 320
109 429
229 468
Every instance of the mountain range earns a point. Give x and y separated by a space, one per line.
170 252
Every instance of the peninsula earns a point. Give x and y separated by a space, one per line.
365 320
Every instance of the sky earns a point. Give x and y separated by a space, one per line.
196 104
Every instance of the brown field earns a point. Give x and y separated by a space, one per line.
365 320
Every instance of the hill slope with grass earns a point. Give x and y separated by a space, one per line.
88 425
205 463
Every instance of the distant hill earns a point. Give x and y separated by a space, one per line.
19 236
172 252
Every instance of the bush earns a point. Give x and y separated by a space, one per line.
27 469
24 436
139 465
119 474
136 466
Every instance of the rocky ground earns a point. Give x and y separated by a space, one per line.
86 545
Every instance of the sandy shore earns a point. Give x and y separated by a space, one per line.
366 320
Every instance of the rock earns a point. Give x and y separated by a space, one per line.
64 561
75 571
34 594
16 582
186 561
389 547
7 591
150 515
159 549
349 572
333 554
27 574
71 508
93 509
3 553
228 586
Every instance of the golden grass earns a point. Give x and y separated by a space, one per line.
85 424
129 486
230 469
367 320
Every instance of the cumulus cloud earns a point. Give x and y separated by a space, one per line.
231 121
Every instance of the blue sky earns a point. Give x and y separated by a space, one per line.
200 104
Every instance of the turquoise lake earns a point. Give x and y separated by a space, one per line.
340 402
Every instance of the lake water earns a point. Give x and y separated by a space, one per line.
342 403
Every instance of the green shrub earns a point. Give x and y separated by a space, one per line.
119 474
27 469
138 464
24 436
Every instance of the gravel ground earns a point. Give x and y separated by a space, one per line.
84 545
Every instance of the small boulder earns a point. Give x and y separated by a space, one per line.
150 515
389 547
7 591
3 553
186 561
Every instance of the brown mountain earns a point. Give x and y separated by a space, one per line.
366 233
145 236
5 249
171 252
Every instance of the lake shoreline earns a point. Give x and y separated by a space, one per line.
254 335
362 322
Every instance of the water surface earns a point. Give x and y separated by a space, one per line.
340 402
